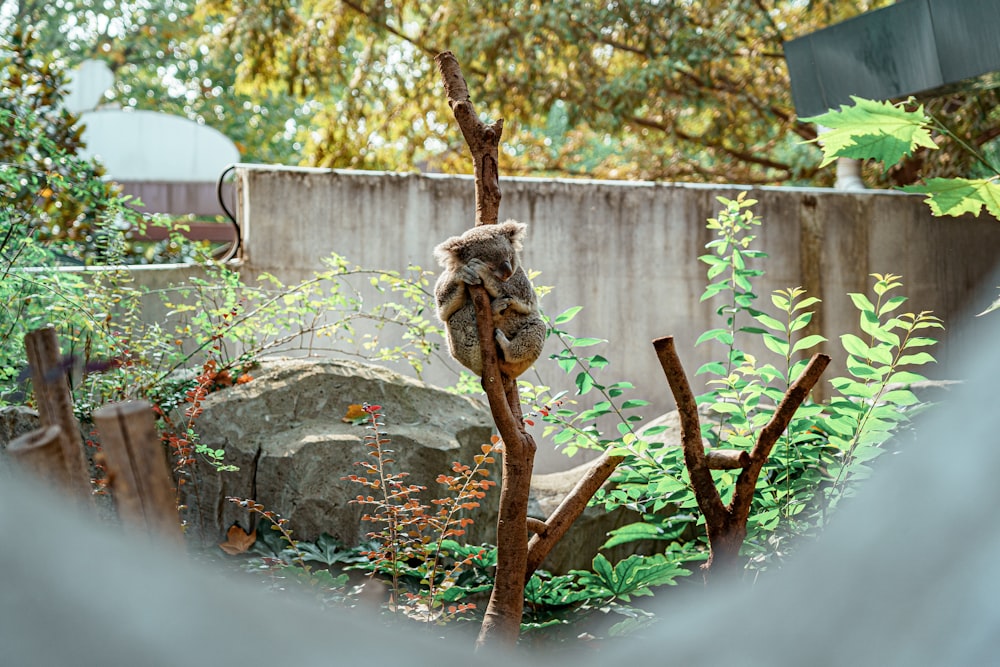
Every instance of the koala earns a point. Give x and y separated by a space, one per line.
488 255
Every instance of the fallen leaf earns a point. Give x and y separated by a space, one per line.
238 541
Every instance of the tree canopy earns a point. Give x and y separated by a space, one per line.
692 90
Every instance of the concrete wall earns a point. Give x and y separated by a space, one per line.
628 252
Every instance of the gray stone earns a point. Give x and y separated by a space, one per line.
284 430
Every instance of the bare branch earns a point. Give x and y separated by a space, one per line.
569 510
483 139
709 501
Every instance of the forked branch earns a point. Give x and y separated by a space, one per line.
727 524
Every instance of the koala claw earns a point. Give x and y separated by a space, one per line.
469 273
502 340
501 304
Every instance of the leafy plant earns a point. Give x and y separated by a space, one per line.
827 448
887 133
606 588
417 541
291 562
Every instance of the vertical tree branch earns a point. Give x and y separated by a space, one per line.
483 140
502 620
709 501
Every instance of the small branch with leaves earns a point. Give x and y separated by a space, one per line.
727 524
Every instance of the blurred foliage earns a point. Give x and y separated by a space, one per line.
47 192
684 91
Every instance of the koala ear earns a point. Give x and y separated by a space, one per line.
446 253
515 232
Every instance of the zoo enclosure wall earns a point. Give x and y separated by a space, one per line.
628 253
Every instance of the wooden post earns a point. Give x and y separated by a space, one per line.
137 468
40 453
55 407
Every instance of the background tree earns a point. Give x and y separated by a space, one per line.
684 91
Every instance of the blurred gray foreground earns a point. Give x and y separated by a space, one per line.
909 574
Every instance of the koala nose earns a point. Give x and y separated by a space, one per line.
505 271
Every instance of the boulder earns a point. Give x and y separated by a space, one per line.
285 433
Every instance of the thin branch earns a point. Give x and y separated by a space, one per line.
705 492
483 139
569 510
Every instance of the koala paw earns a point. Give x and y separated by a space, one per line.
470 272
501 304
502 341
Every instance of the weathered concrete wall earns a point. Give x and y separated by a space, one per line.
628 252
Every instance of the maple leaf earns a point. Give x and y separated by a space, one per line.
872 130
238 541
956 196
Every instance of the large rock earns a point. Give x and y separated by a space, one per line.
284 431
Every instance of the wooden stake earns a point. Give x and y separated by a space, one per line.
55 407
40 453
137 468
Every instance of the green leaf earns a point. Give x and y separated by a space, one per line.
900 397
587 342
769 322
957 196
721 335
916 359
584 383
635 532
876 130
805 303
632 576
993 306
905 378
807 342
855 346
775 344
891 305
597 361
713 367
871 326
567 314
862 303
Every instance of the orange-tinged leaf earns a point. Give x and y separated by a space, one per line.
238 541
354 412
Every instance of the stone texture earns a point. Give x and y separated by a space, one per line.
284 431
15 421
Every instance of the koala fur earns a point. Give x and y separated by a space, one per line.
489 255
